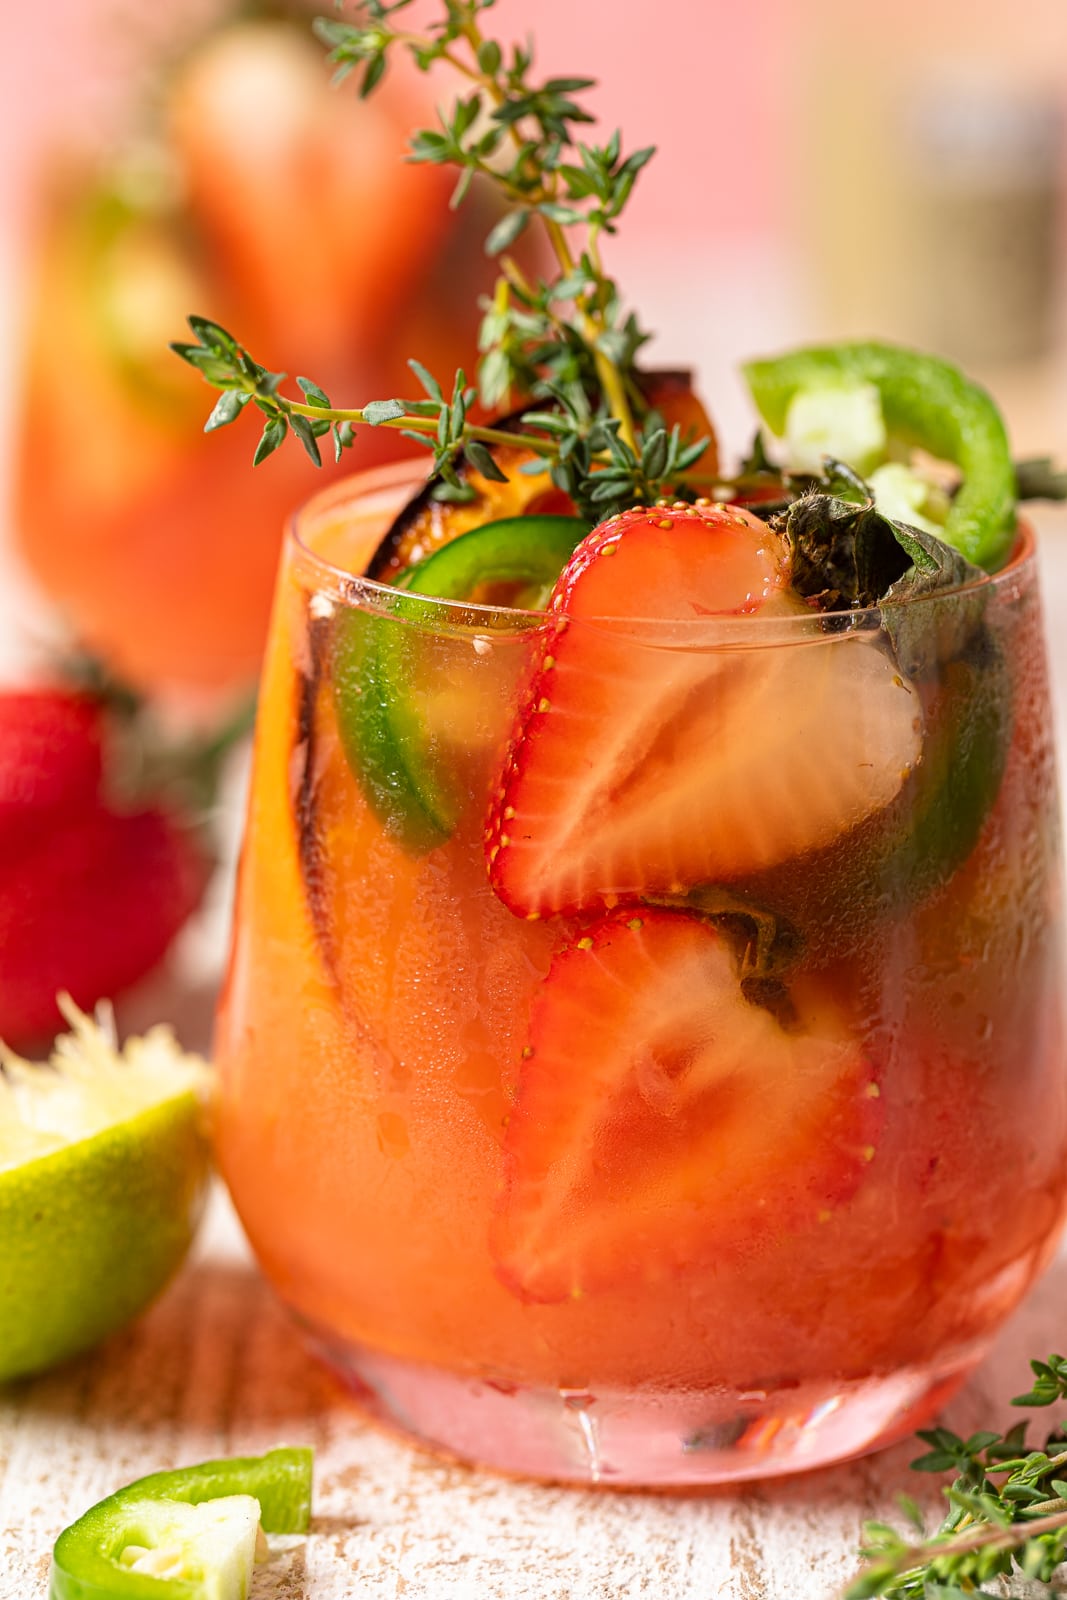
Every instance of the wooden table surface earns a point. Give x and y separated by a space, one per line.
215 1368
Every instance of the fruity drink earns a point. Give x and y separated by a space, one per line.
640 991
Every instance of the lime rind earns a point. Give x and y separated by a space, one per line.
103 1171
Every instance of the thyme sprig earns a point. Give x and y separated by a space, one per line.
565 344
547 173
993 1529
584 453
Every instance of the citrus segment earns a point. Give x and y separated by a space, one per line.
103 1161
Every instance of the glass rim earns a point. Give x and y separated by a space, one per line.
352 588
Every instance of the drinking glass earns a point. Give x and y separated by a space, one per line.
528 1226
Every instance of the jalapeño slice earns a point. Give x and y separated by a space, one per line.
406 707
928 403
149 1539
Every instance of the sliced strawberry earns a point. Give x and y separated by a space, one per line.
650 759
662 1119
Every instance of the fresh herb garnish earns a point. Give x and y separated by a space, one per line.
566 345
1007 1512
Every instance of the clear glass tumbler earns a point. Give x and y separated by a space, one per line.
683 1186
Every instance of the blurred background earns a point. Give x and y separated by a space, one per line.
824 169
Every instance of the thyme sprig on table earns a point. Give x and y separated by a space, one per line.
1007 1512
564 344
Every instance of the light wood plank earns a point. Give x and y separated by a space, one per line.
216 1367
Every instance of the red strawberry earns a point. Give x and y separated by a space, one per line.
662 1118
90 898
645 761
89 909
50 759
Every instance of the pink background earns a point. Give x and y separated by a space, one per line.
780 205
705 88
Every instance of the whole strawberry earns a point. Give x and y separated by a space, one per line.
91 893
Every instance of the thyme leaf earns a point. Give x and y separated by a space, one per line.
565 344
1006 1517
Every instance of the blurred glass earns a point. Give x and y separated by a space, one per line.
981 161
251 193
929 173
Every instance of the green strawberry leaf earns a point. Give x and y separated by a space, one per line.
844 556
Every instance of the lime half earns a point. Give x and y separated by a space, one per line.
103 1166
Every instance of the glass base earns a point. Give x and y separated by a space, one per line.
673 1439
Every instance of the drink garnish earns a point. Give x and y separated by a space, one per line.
925 403
403 750
565 344
427 522
631 769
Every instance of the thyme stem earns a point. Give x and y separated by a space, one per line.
611 380
416 424
564 344
910 1561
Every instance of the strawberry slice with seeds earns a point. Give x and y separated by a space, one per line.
653 755
662 1119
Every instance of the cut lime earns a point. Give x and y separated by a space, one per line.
103 1162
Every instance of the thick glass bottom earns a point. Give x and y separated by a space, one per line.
672 1439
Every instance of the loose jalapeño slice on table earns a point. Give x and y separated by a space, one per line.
189 1534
